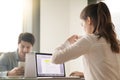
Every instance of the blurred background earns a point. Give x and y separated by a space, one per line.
51 21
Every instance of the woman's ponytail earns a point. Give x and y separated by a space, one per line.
105 26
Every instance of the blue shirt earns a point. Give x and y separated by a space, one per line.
7 62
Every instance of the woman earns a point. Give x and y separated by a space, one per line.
99 46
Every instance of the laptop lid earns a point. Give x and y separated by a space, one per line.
45 68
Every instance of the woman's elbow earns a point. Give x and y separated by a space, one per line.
56 61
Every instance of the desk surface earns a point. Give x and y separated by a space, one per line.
46 78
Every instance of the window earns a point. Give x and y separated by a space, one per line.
11 23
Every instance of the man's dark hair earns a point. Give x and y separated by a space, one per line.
28 37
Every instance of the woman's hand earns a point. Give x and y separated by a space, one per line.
73 39
76 73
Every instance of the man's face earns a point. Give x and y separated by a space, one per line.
24 48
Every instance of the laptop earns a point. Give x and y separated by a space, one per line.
45 68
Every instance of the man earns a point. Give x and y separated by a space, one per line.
9 61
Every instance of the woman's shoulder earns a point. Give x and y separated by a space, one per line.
90 37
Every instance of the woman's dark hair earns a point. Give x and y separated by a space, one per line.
28 37
103 26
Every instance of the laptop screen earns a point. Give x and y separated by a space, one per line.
45 68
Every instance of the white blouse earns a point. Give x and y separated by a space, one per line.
99 62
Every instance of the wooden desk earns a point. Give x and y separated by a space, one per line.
49 78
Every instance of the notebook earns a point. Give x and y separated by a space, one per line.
30 65
45 68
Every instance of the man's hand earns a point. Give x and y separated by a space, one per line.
17 71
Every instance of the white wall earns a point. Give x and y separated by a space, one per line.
54 23
59 19
75 8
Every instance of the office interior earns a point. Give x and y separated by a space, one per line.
53 21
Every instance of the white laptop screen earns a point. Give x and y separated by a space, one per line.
45 68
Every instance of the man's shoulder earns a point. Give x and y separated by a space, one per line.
8 54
